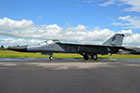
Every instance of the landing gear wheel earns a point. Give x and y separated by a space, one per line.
95 57
86 57
51 58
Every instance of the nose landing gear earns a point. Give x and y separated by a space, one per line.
51 57
48 53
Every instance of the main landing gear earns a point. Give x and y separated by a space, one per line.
93 56
86 57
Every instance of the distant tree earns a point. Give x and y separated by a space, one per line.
2 47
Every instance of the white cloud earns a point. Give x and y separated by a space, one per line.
133 40
110 2
14 42
134 5
124 18
130 22
25 32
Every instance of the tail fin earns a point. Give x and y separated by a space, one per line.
115 40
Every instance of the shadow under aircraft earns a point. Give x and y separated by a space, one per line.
111 46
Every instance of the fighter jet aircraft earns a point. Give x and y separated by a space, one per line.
111 46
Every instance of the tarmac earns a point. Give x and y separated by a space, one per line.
69 76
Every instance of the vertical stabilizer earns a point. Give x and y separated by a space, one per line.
115 40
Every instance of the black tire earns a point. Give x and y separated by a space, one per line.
51 58
95 57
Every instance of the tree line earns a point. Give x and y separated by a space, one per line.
3 48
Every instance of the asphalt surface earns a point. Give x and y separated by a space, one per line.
62 59
69 77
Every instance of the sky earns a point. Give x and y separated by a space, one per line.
27 22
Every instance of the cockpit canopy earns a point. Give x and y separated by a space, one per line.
49 42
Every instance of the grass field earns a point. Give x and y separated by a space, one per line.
13 54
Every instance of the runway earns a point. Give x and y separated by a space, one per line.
62 59
61 76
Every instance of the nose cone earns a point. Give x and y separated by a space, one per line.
19 48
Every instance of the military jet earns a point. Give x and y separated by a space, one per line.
111 46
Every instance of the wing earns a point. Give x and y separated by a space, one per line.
94 49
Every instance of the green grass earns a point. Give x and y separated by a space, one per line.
13 54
